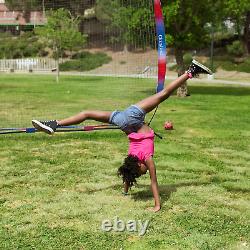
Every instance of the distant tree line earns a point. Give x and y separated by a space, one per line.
185 19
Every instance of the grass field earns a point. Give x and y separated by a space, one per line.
56 191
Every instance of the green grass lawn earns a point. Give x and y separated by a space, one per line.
56 191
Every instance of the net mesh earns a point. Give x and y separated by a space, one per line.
118 40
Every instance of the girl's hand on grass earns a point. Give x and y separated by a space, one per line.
154 209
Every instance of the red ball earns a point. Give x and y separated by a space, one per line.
168 125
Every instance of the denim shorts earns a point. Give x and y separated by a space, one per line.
129 120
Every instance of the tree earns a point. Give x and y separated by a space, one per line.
185 23
247 32
61 34
185 27
76 7
238 11
131 20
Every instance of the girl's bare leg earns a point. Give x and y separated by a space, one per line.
100 116
147 105
151 102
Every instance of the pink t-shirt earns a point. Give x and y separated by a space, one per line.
141 145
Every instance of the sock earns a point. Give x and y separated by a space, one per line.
189 75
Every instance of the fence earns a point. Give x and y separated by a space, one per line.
28 64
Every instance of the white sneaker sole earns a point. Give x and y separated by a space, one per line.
203 67
41 127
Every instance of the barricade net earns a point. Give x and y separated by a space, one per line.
90 38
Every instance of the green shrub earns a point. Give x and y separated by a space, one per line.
26 45
235 49
85 61
230 65
245 66
82 55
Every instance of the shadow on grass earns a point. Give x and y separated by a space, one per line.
115 187
146 194
165 190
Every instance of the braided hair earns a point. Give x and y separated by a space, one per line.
129 170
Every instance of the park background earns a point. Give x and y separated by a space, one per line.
60 57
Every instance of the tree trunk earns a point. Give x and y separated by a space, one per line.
181 91
247 32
